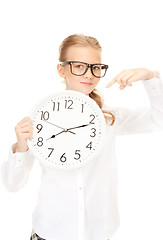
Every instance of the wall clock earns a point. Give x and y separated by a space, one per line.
68 130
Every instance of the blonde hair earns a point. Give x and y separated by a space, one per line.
82 40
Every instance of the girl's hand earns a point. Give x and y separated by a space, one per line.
126 77
24 131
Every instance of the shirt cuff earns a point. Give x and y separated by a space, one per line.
153 86
19 159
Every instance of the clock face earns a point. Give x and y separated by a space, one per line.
69 130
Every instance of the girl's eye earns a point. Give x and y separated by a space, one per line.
96 68
79 66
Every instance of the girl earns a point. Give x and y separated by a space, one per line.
82 204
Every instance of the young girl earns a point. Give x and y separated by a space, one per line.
81 204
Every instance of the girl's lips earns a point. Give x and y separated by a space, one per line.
86 83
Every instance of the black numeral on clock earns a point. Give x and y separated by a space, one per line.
39 127
40 142
44 115
51 150
89 145
77 155
93 117
56 106
93 132
63 158
82 110
68 104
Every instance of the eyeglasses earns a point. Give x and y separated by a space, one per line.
80 68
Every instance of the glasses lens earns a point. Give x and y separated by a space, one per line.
99 70
78 68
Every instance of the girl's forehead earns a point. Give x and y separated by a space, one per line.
84 54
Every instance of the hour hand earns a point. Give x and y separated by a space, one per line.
53 136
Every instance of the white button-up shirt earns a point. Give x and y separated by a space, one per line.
81 204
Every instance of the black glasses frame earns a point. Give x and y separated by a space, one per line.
87 65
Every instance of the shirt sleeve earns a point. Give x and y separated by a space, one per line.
143 120
15 171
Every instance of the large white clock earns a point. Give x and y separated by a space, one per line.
69 130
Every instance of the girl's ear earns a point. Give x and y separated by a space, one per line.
60 70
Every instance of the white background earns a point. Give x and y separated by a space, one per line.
130 34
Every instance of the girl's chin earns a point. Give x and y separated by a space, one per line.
84 91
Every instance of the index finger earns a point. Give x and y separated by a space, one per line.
111 83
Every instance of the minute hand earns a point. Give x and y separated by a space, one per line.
58 126
78 127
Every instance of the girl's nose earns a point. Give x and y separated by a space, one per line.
88 73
